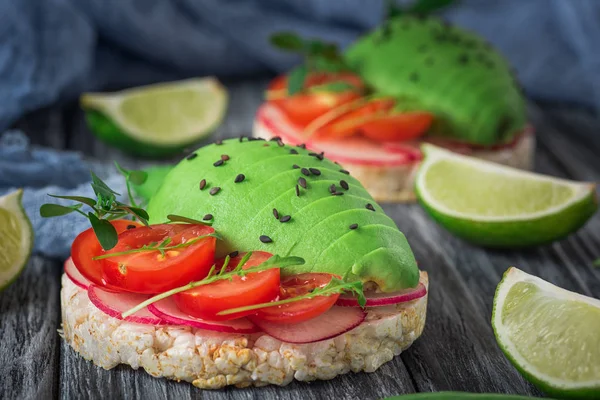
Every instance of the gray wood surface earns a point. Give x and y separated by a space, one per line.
456 352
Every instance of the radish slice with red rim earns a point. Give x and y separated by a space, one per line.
384 299
75 276
332 323
167 310
115 304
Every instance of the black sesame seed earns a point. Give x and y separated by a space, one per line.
369 206
239 178
131 227
265 239
276 213
321 155
302 182
219 142
353 226
297 191
234 254
332 189
293 151
202 184
285 218
207 217
313 154
302 146
218 163
295 166
343 171
315 171
214 190
224 157
337 194
191 156
275 139
305 171
344 184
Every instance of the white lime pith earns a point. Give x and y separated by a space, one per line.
16 238
551 335
499 206
165 116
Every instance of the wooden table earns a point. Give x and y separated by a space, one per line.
456 352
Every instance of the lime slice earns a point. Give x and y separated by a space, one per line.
16 238
551 335
499 206
157 120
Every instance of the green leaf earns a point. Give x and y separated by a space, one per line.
179 218
288 41
101 188
56 210
296 79
138 177
105 232
85 200
333 87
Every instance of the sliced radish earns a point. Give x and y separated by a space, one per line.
384 299
167 310
334 322
75 276
115 304
272 122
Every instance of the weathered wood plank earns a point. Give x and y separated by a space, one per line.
30 312
44 127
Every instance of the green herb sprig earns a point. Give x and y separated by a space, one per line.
319 56
334 286
161 247
106 207
273 262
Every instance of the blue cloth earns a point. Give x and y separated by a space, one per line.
43 171
52 50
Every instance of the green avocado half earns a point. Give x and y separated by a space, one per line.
437 67
320 223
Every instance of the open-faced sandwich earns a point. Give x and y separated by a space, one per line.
411 80
262 263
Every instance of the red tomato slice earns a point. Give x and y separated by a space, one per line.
376 121
86 245
303 108
206 301
302 310
397 127
151 272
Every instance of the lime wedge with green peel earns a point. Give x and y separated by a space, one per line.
498 206
16 238
551 335
157 120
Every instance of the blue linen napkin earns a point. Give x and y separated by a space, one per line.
53 50
41 171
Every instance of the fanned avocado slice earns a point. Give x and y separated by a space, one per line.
339 230
449 71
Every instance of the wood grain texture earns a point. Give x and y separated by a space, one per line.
457 351
29 345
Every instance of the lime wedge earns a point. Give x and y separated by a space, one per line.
157 120
551 335
16 238
499 206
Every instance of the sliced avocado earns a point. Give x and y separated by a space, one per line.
449 71
319 228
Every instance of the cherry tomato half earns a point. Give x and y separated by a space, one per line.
258 287
376 120
152 272
302 310
302 108
86 245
